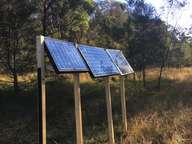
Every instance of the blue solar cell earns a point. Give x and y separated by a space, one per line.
65 56
98 61
119 59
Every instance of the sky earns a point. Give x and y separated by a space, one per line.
182 18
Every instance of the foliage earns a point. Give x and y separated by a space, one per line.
16 46
64 18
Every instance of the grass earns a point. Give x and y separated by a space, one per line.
154 117
165 116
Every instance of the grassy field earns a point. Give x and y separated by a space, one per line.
165 116
154 117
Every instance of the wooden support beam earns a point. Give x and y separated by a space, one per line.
123 103
78 114
109 111
41 90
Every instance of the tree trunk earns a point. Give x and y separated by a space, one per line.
15 76
45 17
160 76
134 76
15 83
144 76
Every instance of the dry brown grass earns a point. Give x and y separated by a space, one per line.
21 78
182 74
5 78
175 74
167 114
154 117
171 127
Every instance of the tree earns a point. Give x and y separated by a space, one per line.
106 25
62 18
171 10
144 37
15 51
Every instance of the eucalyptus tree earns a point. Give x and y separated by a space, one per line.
65 18
172 10
144 37
15 50
107 25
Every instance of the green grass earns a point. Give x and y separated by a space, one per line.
154 117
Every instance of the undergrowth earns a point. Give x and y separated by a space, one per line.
154 117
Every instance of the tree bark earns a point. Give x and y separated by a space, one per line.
15 76
15 83
144 76
45 17
160 76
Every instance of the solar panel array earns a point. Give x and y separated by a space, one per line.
65 56
98 61
119 59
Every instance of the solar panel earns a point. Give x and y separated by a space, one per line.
98 61
64 56
119 59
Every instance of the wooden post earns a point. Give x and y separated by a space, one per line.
78 115
109 111
41 90
123 103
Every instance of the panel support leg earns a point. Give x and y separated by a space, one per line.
123 103
41 90
78 114
109 112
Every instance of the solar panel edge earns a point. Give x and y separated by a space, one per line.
78 48
55 66
46 37
51 59
92 73
113 61
132 71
